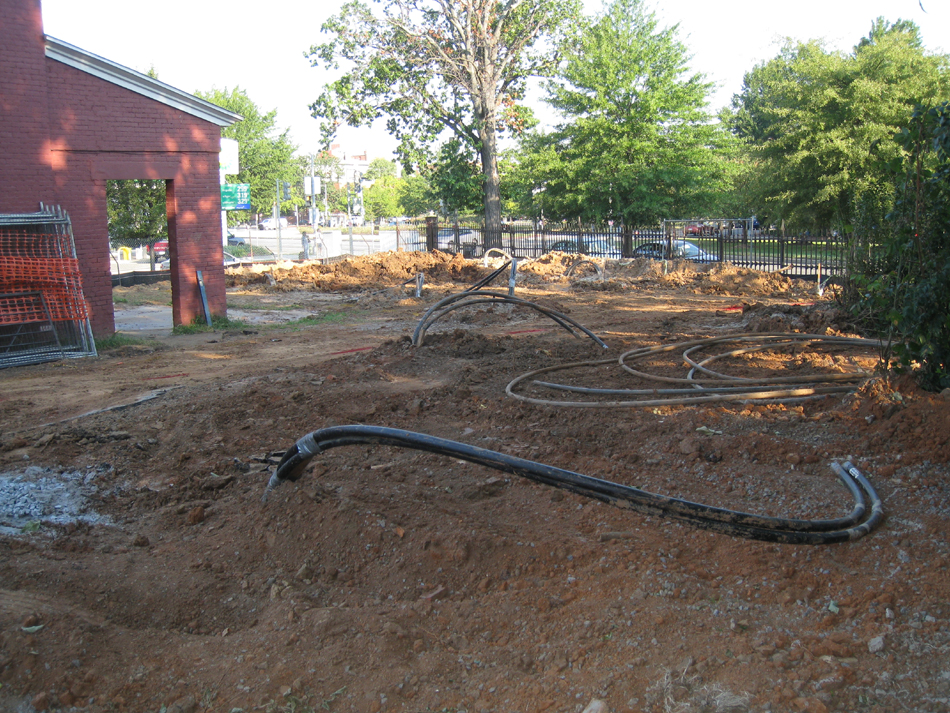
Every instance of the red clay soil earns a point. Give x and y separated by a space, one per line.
395 580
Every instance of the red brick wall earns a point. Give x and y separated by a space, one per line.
25 175
94 115
101 132
64 133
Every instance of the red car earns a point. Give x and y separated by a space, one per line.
161 249
700 229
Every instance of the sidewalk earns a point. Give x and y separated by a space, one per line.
124 266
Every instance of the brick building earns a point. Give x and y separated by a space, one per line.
352 165
71 120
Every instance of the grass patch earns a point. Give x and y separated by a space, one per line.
137 295
199 326
117 341
251 303
314 321
250 252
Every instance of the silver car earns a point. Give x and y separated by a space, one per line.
680 250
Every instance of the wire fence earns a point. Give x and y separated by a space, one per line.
43 313
741 242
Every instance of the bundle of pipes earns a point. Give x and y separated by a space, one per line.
702 384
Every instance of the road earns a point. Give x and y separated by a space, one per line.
323 244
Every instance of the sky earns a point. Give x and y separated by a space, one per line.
197 45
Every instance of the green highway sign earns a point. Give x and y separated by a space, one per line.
236 196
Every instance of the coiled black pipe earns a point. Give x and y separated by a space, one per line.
715 387
486 280
470 297
739 524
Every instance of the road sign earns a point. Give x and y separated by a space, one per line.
228 158
236 196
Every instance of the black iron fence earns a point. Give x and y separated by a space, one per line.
805 255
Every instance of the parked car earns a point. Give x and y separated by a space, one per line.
564 246
597 246
271 224
235 240
161 249
447 238
704 229
681 250
229 261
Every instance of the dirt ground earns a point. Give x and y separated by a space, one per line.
141 571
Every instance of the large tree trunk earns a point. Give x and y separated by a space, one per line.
492 199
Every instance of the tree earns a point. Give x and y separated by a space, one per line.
440 65
265 155
638 144
820 123
381 199
379 168
415 196
455 179
136 213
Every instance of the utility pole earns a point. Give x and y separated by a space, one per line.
349 213
359 195
280 250
313 202
313 214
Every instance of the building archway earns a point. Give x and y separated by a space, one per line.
74 120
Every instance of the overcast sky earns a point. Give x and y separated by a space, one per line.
199 44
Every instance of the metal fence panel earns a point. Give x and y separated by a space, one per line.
801 256
43 312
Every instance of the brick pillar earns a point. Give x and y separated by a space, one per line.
193 205
26 177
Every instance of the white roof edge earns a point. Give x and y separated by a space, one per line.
137 82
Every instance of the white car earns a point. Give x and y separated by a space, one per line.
681 249
229 261
271 224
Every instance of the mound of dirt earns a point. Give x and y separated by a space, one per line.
820 318
394 269
141 571
360 273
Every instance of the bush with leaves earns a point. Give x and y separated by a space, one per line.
904 292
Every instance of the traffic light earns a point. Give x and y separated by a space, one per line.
286 190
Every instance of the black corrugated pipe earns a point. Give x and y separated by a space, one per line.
467 298
739 524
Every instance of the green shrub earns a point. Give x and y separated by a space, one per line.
904 293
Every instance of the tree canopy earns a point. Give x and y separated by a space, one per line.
381 199
265 154
431 66
455 179
379 168
135 209
638 143
820 123
415 196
